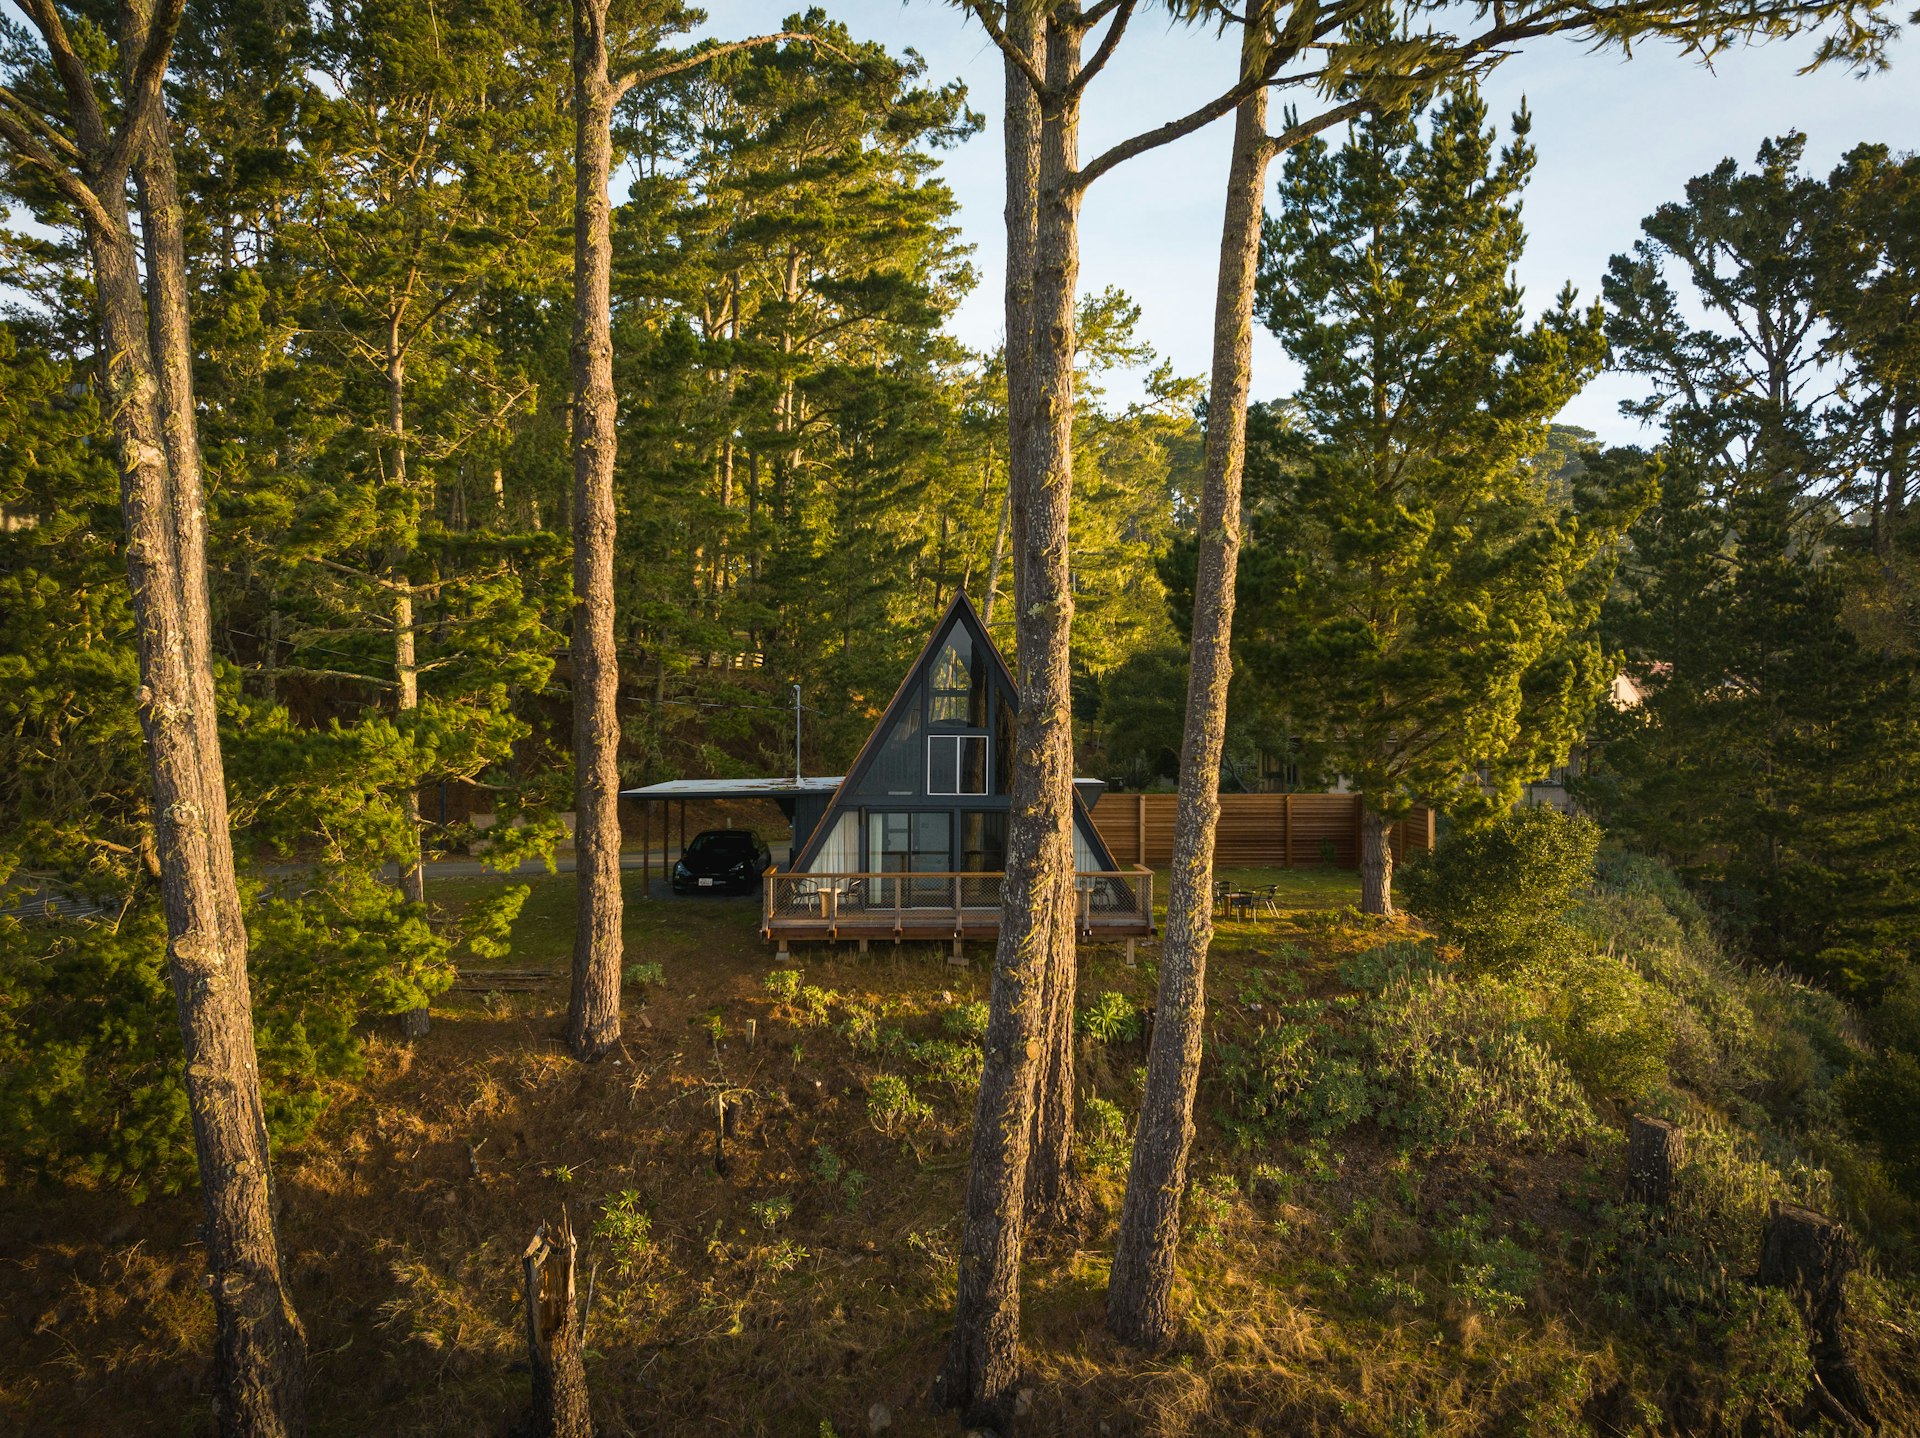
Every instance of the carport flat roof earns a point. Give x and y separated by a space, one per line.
735 788
1090 789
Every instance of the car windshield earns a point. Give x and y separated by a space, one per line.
723 842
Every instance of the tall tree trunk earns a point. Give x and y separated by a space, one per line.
1376 862
259 1350
1139 1296
406 660
999 558
982 1366
1056 1199
593 1013
1140 1286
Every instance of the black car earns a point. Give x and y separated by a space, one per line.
728 861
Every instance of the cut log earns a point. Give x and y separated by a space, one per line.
1810 1255
1653 1154
560 1407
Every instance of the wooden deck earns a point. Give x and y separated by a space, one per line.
1113 906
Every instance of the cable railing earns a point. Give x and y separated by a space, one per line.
832 905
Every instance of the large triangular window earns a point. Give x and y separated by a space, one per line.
957 685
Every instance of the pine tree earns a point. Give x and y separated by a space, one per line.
1766 626
259 1354
1414 589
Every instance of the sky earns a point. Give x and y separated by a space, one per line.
1616 139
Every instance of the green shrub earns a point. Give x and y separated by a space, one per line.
893 1106
1503 893
1110 1019
969 1020
772 1212
783 985
626 1230
1610 1026
1881 1099
1210 1207
816 1003
950 1062
644 976
1489 1275
1106 1145
848 1183
1295 1073
1454 1066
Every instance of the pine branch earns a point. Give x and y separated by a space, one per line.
1306 129
1108 42
48 132
1020 60
88 122
28 150
697 58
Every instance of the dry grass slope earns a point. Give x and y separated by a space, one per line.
1335 1281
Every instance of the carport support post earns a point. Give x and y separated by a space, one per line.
683 828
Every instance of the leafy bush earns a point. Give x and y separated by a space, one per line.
1489 1275
783 985
1881 1096
893 1105
1503 893
848 1183
1455 1065
644 976
772 1212
1106 1145
1110 1019
950 1062
1210 1207
1610 1026
626 1230
1443 1060
969 1020
815 1003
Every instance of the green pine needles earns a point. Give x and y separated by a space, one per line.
1422 574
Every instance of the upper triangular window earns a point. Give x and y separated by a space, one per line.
957 684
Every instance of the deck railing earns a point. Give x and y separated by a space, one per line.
868 904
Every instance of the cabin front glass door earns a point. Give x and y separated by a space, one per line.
919 842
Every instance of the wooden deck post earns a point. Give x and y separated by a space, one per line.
1140 831
1286 824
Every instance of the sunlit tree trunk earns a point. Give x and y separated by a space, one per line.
1140 1287
1055 1197
593 1015
146 380
1376 862
983 1362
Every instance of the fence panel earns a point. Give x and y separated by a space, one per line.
1257 831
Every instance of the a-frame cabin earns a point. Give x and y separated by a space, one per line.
913 843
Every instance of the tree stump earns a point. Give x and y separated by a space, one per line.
1810 1255
560 1407
1653 1153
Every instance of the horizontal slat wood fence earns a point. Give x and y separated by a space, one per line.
1257 831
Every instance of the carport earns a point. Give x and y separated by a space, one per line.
801 801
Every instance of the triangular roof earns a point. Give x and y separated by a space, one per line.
961 611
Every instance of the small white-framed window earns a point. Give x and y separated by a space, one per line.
956 764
